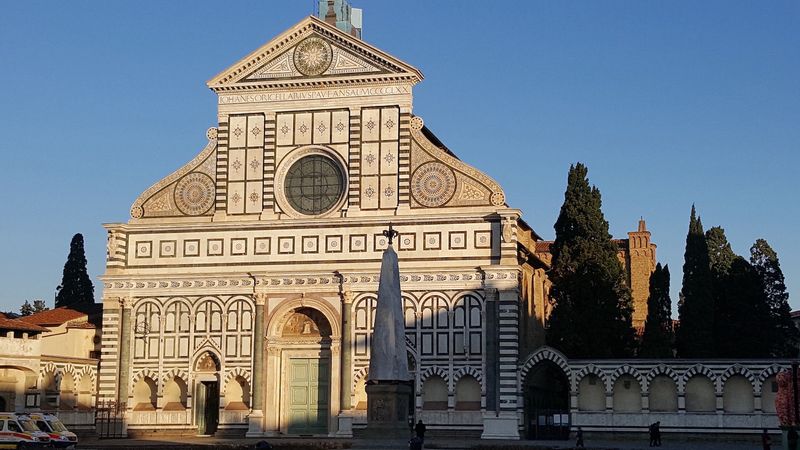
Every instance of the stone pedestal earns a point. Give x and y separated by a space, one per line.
502 426
387 411
255 424
345 420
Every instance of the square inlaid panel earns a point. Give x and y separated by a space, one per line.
333 244
191 247
215 247
262 246
239 246
310 244
408 241
358 243
458 240
286 244
432 241
166 249
144 249
483 239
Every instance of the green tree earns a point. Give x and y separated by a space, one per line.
657 337
39 306
76 287
786 337
26 309
592 309
720 260
720 254
694 337
744 308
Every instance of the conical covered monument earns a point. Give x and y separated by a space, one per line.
388 384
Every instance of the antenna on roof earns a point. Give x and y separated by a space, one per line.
340 14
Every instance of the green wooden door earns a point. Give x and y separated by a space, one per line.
308 396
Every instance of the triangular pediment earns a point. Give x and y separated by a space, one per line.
310 53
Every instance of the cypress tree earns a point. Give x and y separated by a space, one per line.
657 336
592 309
785 336
720 259
720 254
694 337
76 287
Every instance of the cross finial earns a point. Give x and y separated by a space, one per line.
390 233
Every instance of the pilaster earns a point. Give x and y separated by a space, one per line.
125 305
256 418
347 356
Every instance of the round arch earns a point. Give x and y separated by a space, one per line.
278 318
545 387
293 353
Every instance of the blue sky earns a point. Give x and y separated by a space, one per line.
668 103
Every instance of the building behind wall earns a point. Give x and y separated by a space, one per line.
49 362
240 295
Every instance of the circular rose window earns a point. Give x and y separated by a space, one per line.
313 185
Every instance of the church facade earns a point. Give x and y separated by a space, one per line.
241 294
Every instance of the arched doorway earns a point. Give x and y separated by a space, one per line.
206 393
546 397
300 365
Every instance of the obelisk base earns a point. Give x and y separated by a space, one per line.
387 410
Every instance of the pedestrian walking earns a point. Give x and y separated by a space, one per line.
766 441
652 431
579 438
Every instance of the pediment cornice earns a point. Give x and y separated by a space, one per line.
352 61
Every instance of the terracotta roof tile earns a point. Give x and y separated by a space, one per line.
19 325
54 317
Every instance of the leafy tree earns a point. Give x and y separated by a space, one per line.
39 306
786 337
658 335
592 309
744 308
26 309
694 337
76 287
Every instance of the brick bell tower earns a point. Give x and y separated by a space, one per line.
641 261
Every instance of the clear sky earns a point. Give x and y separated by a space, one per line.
668 104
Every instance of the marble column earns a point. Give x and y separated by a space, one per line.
256 418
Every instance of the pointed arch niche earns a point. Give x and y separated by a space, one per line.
302 379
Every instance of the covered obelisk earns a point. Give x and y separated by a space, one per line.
388 383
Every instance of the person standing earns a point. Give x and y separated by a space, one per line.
420 430
658 434
652 430
579 438
766 441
